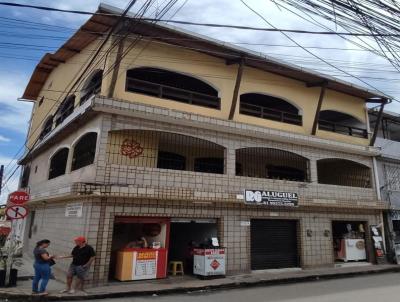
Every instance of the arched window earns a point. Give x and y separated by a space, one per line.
271 163
25 176
343 123
84 151
164 150
92 86
270 108
172 85
342 172
169 160
65 109
58 163
209 165
48 125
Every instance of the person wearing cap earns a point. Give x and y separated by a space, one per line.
82 257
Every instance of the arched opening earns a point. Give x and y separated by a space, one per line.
271 163
343 123
92 86
170 160
47 127
171 85
270 108
65 109
209 165
342 172
164 150
58 163
84 151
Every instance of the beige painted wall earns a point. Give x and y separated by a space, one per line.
215 72
56 87
40 164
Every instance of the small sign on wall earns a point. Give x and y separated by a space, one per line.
73 210
271 198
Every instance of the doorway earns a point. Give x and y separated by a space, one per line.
274 244
186 234
349 241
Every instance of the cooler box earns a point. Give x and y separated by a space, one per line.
209 262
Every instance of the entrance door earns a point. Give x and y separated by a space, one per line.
189 233
273 244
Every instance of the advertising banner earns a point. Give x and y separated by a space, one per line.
271 198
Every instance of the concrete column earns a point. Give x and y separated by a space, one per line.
230 161
313 171
102 149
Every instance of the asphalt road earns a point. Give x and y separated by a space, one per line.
371 288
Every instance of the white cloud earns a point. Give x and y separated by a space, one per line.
4 139
14 115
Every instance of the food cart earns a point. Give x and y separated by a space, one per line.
141 264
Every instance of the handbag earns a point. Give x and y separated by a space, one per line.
52 262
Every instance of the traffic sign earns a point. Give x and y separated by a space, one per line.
16 212
18 197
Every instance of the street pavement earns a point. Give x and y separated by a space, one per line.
369 288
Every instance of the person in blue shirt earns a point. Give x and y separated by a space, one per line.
42 268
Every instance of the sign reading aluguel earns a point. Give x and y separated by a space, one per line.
271 198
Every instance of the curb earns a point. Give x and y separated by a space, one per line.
182 290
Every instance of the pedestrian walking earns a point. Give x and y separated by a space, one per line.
82 257
42 264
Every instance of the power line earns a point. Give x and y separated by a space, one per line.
311 53
144 8
210 24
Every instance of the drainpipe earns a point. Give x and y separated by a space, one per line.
377 185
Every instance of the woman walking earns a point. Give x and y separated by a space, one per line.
42 267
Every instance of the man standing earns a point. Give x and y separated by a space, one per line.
82 257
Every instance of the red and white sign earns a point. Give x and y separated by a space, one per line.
16 212
209 262
144 265
18 197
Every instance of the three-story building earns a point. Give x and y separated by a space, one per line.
165 132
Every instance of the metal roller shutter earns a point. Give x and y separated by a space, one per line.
273 244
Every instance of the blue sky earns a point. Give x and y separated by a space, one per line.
18 61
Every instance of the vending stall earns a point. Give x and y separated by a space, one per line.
140 248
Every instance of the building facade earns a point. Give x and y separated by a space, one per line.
170 133
388 167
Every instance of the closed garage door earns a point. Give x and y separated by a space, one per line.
273 244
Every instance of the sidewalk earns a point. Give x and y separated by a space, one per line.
189 284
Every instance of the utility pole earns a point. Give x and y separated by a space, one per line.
1 176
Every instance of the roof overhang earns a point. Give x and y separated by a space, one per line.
107 16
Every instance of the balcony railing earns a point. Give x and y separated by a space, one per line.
271 114
173 93
342 129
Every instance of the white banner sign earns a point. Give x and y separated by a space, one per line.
74 210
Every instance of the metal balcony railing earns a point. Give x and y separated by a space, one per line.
173 93
342 129
271 114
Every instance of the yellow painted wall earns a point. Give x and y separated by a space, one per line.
56 88
215 72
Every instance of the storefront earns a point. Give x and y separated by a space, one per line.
349 241
187 235
139 248
274 244
143 248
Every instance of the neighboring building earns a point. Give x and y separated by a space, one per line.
165 143
388 163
